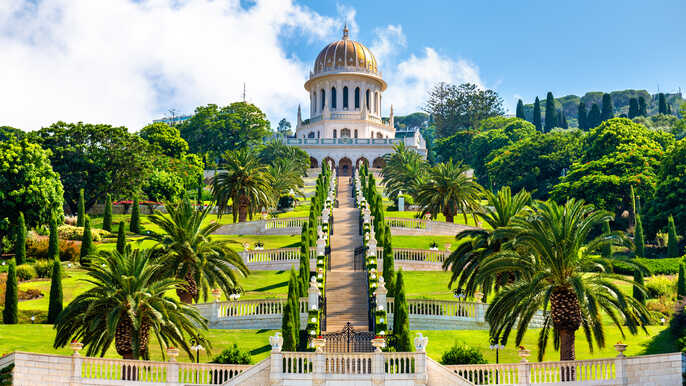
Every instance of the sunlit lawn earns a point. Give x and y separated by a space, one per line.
423 242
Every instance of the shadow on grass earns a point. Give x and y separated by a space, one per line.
261 350
664 342
270 287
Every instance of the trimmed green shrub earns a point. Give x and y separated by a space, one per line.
107 216
135 225
233 356
607 249
55 305
661 285
20 240
121 237
69 232
25 272
87 247
9 313
655 266
672 239
43 268
639 239
681 282
462 354
638 294
81 210
54 242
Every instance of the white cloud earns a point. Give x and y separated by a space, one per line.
388 43
125 62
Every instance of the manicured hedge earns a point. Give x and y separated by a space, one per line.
667 266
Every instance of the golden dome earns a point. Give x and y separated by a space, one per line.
346 55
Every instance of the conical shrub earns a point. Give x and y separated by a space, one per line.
86 243
107 216
20 240
55 305
80 210
10 313
121 237
135 225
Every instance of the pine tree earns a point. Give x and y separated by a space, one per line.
639 239
55 306
581 116
121 237
81 209
86 243
520 110
606 252
562 120
681 282
537 114
20 240
135 225
637 293
593 119
401 317
550 118
9 314
661 104
608 111
642 107
53 243
633 108
672 239
107 217
388 264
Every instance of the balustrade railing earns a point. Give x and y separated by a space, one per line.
298 363
207 373
461 309
258 307
253 256
416 255
285 222
501 374
408 223
399 363
124 370
349 363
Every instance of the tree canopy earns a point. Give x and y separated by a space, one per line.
166 138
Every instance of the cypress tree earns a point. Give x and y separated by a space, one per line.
642 107
550 118
287 330
681 282
20 240
669 109
608 111
304 260
661 104
633 108
606 252
537 114
86 243
637 293
53 244
562 120
401 319
639 239
581 116
55 306
121 237
388 264
135 225
294 305
81 209
107 217
9 314
520 110
672 239
593 119
201 183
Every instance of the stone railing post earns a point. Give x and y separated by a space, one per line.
172 367
76 362
523 370
620 365
421 374
378 370
480 308
276 360
319 368
381 292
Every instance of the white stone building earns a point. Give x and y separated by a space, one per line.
345 125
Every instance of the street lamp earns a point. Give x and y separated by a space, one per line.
197 347
497 346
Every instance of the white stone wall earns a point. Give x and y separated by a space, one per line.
655 370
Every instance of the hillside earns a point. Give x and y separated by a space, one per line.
620 100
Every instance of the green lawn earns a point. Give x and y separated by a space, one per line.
38 338
423 242
427 285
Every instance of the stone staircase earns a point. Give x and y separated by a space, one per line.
346 289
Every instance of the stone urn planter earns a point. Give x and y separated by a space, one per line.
620 347
318 343
76 347
524 354
172 353
378 343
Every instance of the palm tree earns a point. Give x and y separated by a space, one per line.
558 267
285 177
275 150
477 244
191 254
404 171
448 189
245 182
126 305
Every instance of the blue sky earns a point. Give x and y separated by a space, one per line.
126 62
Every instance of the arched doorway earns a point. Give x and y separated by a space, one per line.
345 133
378 163
328 161
313 162
361 161
345 167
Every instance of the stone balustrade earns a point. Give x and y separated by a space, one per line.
415 259
278 259
417 227
273 226
249 314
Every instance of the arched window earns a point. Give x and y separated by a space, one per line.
367 100
317 133
355 133
345 133
379 135
377 101
357 97
334 133
310 135
323 98
313 101
333 97
372 134
345 97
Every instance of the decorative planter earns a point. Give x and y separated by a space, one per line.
620 347
524 353
217 294
318 344
378 343
76 347
172 353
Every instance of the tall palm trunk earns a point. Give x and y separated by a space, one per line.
566 314
243 204
123 336
188 291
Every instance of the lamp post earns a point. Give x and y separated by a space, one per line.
197 347
497 346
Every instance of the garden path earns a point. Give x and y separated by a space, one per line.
346 293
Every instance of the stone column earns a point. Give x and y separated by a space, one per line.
276 360
172 367
313 294
421 374
620 365
378 370
76 363
319 368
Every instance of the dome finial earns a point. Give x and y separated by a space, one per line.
345 31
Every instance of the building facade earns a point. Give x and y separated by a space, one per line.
345 127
